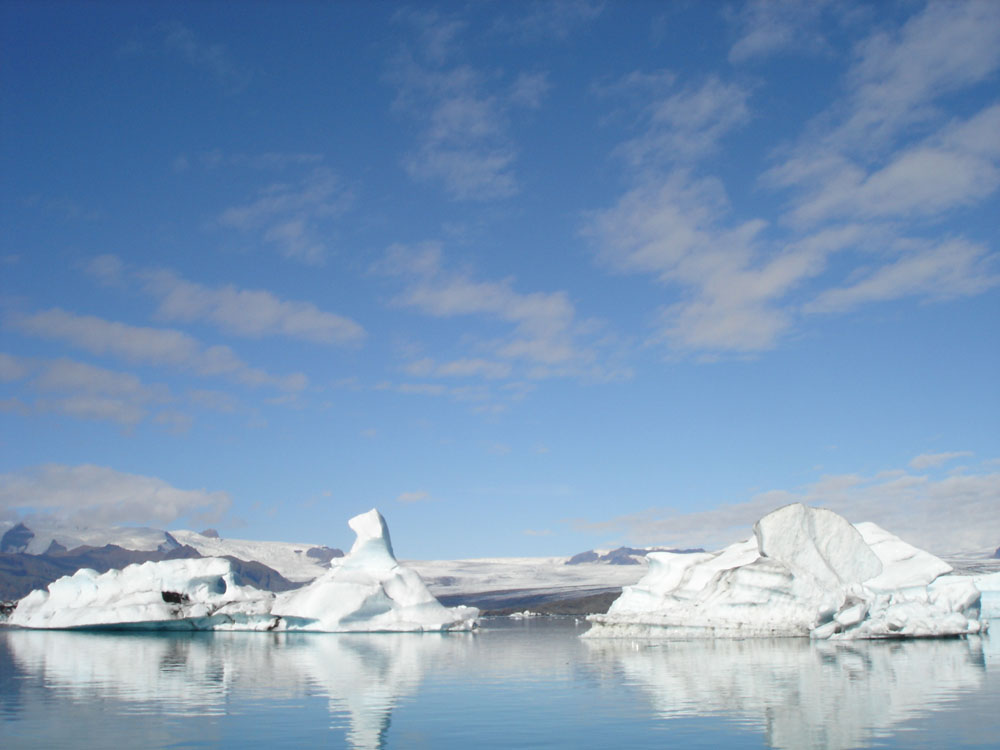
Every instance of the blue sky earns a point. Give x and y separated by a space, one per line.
530 278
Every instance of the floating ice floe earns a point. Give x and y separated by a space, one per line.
367 591
805 572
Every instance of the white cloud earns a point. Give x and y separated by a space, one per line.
957 513
149 346
933 460
897 74
549 19
291 216
98 494
413 497
957 166
464 142
99 408
529 89
688 124
768 27
96 393
107 268
247 312
954 268
731 285
84 391
70 375
545 333
877 157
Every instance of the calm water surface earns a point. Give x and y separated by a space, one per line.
515 684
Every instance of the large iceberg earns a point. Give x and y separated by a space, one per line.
366 591
805 572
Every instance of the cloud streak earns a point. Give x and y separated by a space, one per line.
213 59
545 338
464 142
253 313
290 217
149 346
869 182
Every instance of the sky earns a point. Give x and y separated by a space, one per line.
530 278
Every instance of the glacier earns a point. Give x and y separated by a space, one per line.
365 591
805 572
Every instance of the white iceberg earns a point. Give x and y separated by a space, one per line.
169 594
805 572
367 591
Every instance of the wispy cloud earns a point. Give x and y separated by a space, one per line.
546 338
956 167
100 495
148 346
413 497
247 312
543 20
82 390
732 284
877 157
768 27
290 216
213 59
464 142
933 460
684 125
954 268
898 74
96 393
253 313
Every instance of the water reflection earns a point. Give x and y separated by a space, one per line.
363 677
530 684
801 693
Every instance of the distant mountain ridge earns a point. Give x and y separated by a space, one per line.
624 555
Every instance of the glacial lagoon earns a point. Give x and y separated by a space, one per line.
529 683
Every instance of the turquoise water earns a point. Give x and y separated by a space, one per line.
514 684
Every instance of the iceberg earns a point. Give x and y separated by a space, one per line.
805 572
367 591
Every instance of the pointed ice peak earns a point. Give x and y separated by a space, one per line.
373 543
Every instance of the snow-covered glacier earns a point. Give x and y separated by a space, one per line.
805 572
365 591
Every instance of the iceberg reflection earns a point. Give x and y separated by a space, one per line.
363 677
801 693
